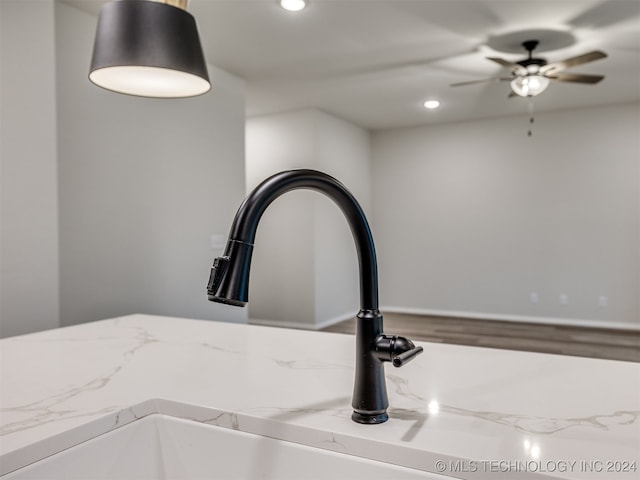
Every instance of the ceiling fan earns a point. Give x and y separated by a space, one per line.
530 77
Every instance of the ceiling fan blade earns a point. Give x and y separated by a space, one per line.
506 63
573 61
485 80
503 62
575 77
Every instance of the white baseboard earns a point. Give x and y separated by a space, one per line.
574 322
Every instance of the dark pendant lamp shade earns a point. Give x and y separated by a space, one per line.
149 49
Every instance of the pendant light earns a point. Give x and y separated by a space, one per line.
148 48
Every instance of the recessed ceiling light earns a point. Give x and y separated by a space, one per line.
293 5
431 104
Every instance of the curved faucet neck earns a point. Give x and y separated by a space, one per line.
229 281
248 216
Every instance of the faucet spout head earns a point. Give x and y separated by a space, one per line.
229 278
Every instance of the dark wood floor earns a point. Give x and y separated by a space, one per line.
564 340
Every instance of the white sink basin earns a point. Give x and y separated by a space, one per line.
164 447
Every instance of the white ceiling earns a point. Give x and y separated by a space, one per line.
374 62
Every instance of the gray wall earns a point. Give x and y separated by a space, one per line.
282 287
143 185
344 150
28 184
108 201
304 269
474 217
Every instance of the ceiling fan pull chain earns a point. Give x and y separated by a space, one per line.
531 119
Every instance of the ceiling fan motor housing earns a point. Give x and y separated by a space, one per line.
532 61
530 46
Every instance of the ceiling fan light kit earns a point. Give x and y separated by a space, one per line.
529 85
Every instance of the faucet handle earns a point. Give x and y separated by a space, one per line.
401 359
397 350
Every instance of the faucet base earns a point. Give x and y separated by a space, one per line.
369 419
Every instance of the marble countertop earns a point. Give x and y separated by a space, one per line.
460 411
